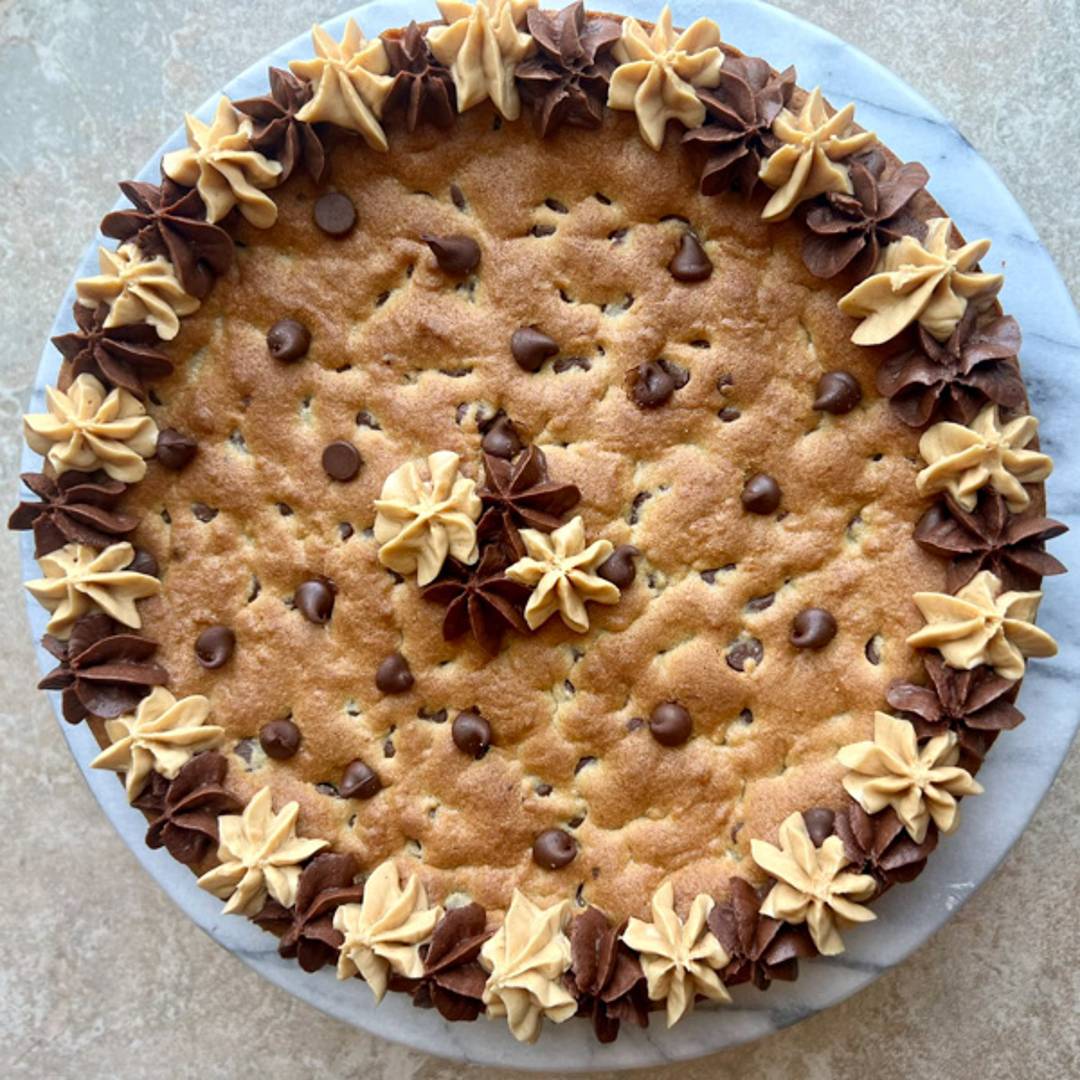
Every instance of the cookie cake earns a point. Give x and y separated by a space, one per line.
542 514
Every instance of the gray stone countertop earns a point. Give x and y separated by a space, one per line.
99 976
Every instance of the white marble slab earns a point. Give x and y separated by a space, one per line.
1018 772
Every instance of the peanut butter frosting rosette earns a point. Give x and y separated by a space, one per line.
527 562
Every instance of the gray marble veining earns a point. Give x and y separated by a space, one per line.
1016 776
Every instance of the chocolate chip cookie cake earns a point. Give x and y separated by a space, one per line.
542 514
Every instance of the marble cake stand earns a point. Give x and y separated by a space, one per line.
1017 774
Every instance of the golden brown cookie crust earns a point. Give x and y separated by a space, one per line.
427 359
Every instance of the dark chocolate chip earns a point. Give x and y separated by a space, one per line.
873 651
619 567
761 494
143 563
288 340
214 646
393 675
175 450
341 460
743 652
812 628
553 849
204 513
652 385
345 530
670 724
456 255
315 601
838 392
501 438
280 739
335 213
690 262
543 790
819 824
457 197
729 415
471 733
531 347
760 603
359 782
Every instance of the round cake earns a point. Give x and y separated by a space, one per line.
542 513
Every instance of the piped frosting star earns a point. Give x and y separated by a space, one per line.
79 580
809 161
482 44
526 959
420 520
920 783
930 283
680 959
86 429
137 290
561 571
383 933
161 736
350 83
658 72
983 625
812 885
260 855
963 460
227 170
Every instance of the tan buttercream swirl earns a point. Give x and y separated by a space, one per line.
220 162
350 83
86 429
561 571
920 784
384 932
526 959
79 580
930 283
963 460
680 960
137 290
482 44
161 736
418 521
983 625
658 72
260 855
812 885
809 163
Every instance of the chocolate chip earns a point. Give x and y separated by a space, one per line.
873 650
143 563
471 733
204 513
345 530
457 197
729 415
553 849
652 385
812 628
175 450
619 567
760 603
670 724
761 494
690 262
819 824
288 340
214 646
335 213
456 255
359 782
393 675
341 460
531 347
280 739
543 790
838 392
743 652
501 438
315 601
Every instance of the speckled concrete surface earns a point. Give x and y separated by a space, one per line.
98 974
